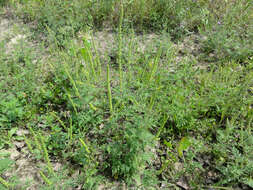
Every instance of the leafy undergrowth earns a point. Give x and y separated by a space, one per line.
137 117
226 26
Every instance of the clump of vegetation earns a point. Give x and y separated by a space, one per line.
148 119
227 36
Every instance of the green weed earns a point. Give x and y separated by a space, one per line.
156 118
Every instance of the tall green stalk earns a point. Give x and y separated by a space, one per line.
46 157
61 122
87 56
120 45
97 59
155 65
45 179
72 81
36 141
109 89
5 183
28 144
130 56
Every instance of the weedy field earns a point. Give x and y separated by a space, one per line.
126 94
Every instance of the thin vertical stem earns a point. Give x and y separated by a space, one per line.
97 59
120 46
46 157
109 89
36 141
45 179
130 56
5 183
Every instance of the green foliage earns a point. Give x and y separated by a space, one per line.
5 164
11 110
57 142
58 20
3 2
61 20
183 145
156 110
231 163
228 36
128 151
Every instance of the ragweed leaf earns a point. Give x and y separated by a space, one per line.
183 145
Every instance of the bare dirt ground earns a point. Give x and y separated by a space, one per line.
11 32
